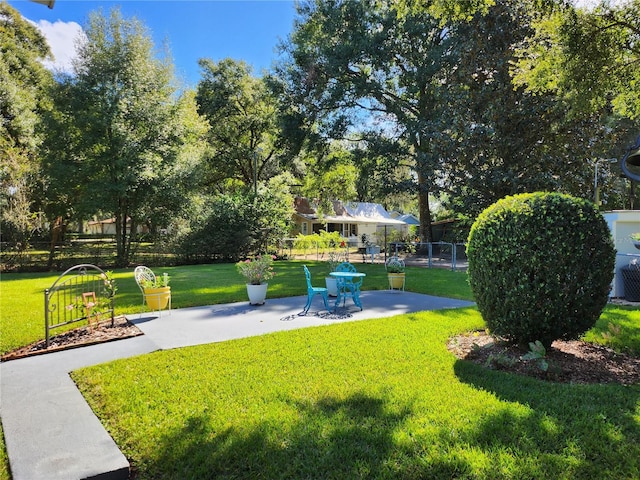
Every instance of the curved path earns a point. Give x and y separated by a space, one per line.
50 431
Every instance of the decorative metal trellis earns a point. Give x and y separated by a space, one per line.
82 293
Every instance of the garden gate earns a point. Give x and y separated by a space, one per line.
83 292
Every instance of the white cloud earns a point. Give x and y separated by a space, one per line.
590 4
62 38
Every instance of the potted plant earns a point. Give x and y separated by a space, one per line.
334 259
257 271
157 293
635 238
395 273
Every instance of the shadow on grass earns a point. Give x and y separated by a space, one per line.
577 431
333 438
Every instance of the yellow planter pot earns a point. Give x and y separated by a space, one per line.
396 281
157 298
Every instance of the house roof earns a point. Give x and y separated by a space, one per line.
409 218
303 207
372 213
349 212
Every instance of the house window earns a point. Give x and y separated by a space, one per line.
304 228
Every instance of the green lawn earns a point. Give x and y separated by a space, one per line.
374 399
377 399
22 295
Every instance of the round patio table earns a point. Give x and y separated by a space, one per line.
345 281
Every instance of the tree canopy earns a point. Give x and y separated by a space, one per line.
354 60
399 102
128 128
245 140
588 55
23 85
439 85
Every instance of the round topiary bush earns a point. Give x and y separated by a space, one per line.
540 266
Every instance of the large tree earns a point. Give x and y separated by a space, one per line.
506 139
244 138
23 97
126 129
350 60
590 55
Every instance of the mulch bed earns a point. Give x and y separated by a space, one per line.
80 337
569 361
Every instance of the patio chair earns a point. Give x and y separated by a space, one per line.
142 275
311 292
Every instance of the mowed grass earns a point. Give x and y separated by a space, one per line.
22 295
376 399
371 399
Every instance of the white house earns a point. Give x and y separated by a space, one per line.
108 227
351 219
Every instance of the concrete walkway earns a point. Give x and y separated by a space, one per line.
50 431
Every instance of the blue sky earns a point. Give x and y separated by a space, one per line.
240 29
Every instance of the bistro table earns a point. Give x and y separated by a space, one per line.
345 281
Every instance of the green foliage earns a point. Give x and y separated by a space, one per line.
331 178
319 242
23 80
537 352
24 96
494 154
540 266
394 76
431 73
233 226
330 239
257 270
587 55
305 242
225 233
123 132
110 286
245 141
161 281
395 266
499 360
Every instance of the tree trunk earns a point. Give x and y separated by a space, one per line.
122 251
426 232
57 231
119 240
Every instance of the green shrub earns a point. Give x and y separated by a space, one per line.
540 266
226 232
233 226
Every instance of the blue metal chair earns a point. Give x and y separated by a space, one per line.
311 291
